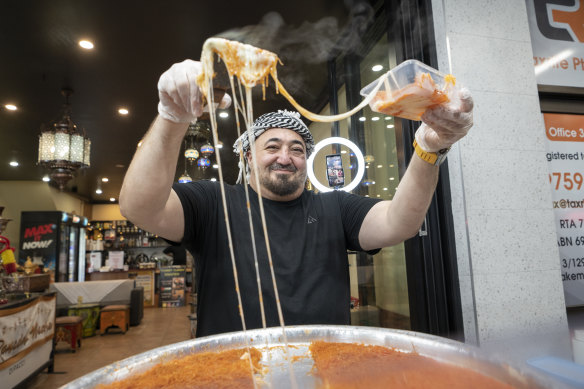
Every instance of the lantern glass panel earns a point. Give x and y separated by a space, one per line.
46 146
61 146
77 146
86 152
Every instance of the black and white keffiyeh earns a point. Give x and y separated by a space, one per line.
281 119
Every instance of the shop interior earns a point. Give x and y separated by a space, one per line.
84 74
63 232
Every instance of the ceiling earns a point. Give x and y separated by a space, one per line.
135 42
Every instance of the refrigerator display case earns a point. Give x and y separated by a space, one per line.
54 240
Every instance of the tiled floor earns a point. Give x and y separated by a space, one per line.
159 327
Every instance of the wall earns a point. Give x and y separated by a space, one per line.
106 212
508 260
18 196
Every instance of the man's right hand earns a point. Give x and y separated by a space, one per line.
181 100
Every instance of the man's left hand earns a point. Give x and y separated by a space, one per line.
444 125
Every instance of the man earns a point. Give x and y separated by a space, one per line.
309 233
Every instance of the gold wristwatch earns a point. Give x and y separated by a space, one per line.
433 158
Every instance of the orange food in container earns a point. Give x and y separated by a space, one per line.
410 88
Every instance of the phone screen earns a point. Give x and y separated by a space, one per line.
334 170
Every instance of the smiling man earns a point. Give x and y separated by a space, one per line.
281 153
309 233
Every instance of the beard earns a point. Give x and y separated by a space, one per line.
282 184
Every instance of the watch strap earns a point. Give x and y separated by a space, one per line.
433 158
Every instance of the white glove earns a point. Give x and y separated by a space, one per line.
181 100
444 125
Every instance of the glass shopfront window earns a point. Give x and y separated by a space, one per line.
379 290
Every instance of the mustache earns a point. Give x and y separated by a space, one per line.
277 166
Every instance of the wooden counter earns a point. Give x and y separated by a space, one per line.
28 330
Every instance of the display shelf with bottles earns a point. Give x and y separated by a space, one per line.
120 235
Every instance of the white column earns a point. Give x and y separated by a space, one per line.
508 260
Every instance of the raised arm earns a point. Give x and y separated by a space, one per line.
147 198
391 222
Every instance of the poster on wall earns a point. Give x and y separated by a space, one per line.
145 279
557 40
565 156
39 240
172 286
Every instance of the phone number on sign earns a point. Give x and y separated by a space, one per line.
569 263
567 181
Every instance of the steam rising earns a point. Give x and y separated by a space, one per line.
310 42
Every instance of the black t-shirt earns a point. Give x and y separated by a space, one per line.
308 238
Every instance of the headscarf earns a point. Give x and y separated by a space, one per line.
282 119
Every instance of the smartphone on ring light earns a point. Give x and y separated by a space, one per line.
334 171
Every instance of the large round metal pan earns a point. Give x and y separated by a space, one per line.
270 342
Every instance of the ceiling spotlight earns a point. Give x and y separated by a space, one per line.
104 179
388 118
11 107
215 166
123 111
390 126
379 166
112 199
377 68
223 115
391 178
213 179
384 188
14 163
220 145
86 44
362 118
343 151
98 191
46 178
375 118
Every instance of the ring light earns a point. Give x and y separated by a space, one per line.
329 141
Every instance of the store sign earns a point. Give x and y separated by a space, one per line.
557 39
565 156
172 286
39 236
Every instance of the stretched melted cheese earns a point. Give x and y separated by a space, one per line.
249 64
253 66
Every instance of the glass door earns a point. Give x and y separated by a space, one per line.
64 232
72 254
379 288
413 285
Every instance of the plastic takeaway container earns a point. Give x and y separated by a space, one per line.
409 89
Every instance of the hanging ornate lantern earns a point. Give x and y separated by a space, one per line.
203 162
184 178
62 148
207 150
191 154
